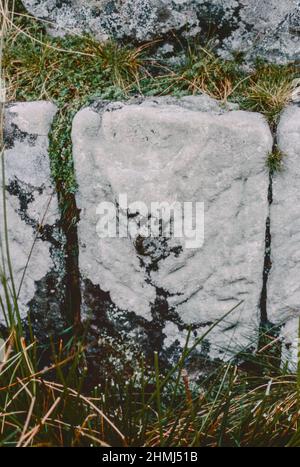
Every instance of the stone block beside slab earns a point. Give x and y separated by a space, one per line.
284 283
33 232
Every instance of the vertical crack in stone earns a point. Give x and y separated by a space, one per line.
69 220
267 260
268 331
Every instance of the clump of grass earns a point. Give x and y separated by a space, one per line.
269 90
61 69
122 65
38 66
228 407
205 72
201 72
275 160
41 67
240 411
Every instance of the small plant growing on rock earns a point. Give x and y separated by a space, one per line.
275 161
269 90
204 72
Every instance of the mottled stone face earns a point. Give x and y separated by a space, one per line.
31 208
294 20
283 284
167 151
265 28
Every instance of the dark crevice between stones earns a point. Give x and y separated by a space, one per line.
55 308
57 298
69 220
267 260
268 331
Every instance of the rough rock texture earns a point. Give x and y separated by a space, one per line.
174 150
31 206
269 28
283 283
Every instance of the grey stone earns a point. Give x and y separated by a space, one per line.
170 150
267 28
283 283
31 205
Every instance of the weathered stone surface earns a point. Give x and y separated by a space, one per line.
174 150
269 28
31 206
283 283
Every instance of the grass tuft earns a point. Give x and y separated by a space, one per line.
270 90
204 72
52 406
275 161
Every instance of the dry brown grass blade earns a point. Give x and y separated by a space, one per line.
8 345
75 394
27 421
25 348
39 373
33 432
81 428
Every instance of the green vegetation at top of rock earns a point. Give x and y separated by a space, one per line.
73 70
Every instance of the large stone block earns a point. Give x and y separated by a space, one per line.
268 28
34 237
169 150
283 283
